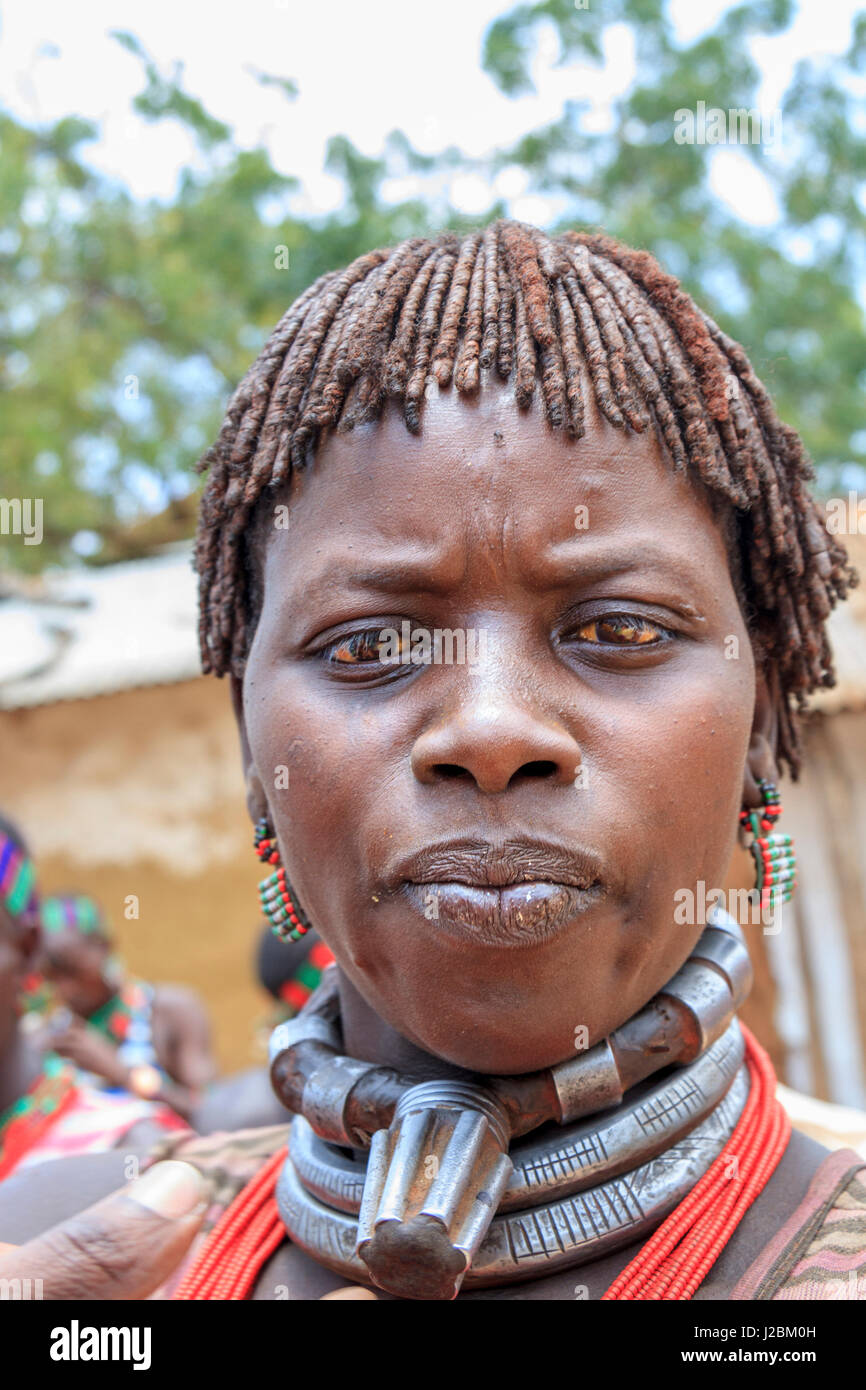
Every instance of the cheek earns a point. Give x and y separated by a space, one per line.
320 761
704 743
680 773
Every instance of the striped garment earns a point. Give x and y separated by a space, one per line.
96 1121
820 1252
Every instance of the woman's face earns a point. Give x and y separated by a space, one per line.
75 967
492 847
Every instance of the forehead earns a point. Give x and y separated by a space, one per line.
485 472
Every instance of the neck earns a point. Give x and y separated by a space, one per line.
19 1069
368 1038
691 1023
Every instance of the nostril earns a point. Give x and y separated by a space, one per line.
454 771
537 769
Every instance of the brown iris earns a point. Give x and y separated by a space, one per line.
359 648
620 629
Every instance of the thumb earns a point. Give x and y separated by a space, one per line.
351 1292
124 1247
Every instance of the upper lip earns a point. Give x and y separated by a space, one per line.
485 864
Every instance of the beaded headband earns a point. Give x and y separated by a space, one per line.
72 911
17 878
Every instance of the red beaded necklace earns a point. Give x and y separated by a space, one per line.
671 1265
29 1118
679 1255
244 1238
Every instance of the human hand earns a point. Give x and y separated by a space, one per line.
353 1292
90 1050
127 1245
124 1247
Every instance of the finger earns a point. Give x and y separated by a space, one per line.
351 1291
125 1246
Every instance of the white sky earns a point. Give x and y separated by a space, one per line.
362 69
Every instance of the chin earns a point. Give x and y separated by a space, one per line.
498 1053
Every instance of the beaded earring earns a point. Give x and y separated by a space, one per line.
773 852
276 895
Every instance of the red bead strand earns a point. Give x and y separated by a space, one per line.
675 1261
243 1239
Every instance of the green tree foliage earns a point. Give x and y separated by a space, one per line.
124 324
792 293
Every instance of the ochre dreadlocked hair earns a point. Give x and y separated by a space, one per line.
556 313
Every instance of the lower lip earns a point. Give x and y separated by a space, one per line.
522 914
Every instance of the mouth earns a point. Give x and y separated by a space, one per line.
518 894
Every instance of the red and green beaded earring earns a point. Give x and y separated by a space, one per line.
276 895
773 852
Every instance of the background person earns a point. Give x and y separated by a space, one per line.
151 1040
47 1110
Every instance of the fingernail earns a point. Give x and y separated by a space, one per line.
352 1291
171 1189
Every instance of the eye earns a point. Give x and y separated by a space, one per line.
367 651
621 630
354 649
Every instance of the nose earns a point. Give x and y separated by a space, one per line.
495 740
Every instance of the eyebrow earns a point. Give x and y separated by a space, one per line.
578 557
404 571
564 564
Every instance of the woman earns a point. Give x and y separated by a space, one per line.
128 1035
540 446
47 1110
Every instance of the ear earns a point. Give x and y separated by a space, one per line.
257 805
761 757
